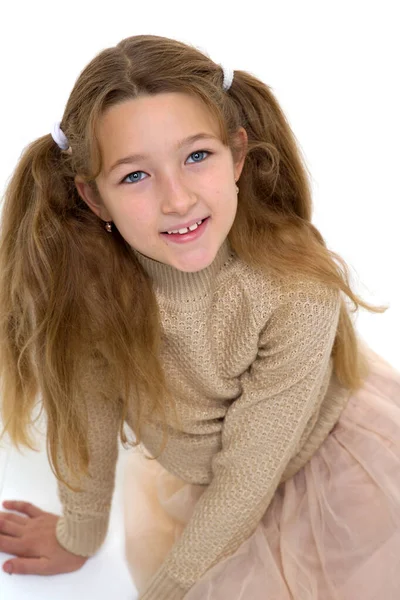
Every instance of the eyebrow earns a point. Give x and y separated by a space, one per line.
136 157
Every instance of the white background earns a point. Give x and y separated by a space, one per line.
334 69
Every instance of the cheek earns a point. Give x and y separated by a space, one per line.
226 197
136 217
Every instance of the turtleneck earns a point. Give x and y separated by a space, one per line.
181 286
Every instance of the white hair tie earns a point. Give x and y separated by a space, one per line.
228 77
59 137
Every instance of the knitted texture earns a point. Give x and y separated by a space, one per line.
248 358
83 526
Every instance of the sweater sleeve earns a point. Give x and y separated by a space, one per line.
260 433
83 525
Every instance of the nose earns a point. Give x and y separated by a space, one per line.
176 196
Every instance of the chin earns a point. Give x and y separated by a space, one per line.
195 266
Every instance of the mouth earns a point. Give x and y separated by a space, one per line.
200 221
189 235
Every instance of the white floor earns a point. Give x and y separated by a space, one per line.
28 477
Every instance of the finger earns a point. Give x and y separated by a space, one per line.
9 527
10 545
23 507
14 518
26 566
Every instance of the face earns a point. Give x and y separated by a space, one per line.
156 179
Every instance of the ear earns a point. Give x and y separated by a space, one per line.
241 145
92 199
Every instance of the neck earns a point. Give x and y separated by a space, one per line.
180 286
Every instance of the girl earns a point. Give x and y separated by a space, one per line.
159 269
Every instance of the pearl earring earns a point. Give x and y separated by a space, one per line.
237 189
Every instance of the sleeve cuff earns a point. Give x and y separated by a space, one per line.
163 587
82 537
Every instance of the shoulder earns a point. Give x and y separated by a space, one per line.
268 293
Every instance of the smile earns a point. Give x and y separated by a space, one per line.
189 236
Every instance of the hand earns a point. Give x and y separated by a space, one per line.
32 538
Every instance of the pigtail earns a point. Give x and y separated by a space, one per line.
273 229
34 308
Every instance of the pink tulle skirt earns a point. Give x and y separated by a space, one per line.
331 532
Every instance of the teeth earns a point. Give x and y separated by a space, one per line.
186 229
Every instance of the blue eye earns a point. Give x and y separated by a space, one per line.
199 152
134 179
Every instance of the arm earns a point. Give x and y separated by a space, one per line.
260 432
43 543
83 526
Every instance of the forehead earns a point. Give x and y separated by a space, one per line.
160 114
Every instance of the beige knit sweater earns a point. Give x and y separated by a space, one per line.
248 357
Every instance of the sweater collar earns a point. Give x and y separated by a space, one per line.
179 286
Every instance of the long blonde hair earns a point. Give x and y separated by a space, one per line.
72 294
